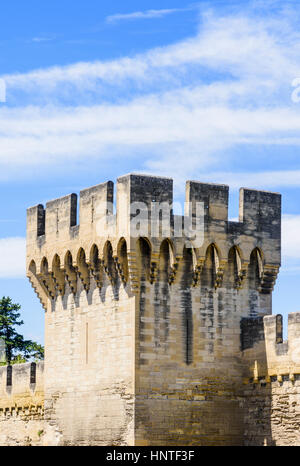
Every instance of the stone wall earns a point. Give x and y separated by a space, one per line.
271 396
142 332
272 411
189 369
22 404
89 367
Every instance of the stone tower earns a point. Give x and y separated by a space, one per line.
148 336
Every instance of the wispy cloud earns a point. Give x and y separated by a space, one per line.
290 244
42 39
12 253
236 45
228 86
242 49
169 130
291 236
148 14
259 179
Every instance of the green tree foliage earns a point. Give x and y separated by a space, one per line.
16 348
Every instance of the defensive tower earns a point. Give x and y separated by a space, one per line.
143 331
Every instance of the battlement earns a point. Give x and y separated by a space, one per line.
21 386
259 211
262 341
58 246
159 325
283 357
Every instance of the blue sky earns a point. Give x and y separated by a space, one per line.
94 90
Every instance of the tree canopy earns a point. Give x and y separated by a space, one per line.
16 348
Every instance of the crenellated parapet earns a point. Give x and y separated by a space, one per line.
269 356
283 357
63 252
157 312
22 389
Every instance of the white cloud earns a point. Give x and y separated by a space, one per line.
291 237
264 180
167 129
243 46
142 14
12 257
290 244
41 39
175 122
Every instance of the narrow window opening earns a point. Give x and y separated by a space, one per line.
33 373
188 337
9 376
40 220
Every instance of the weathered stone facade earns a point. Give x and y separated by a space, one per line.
149 341
271 397
22 404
